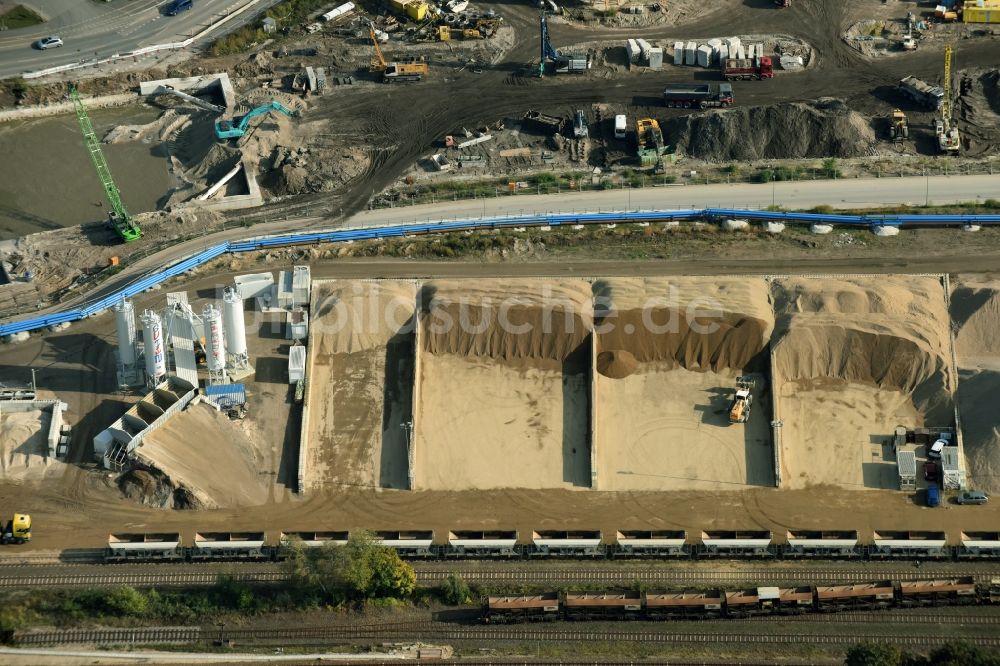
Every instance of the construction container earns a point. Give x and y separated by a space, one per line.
906 464
341 10
678 53
417 11
655 57
691 53
732 43
988 13
633 51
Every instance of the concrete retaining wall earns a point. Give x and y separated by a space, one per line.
775 418
44 110
594 409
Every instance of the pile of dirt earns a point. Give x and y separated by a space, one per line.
824 128
617 364
152 487
891 333
694 323
979 110
23 444
506 319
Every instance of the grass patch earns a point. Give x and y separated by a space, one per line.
286 14
19 16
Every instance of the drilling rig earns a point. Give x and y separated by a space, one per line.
945 128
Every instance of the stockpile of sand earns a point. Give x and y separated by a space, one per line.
506 319
24 444
891 333
361 362
825 128
975 315
695 323
203 453
616 364
355 315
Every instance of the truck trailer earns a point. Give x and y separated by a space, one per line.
697 95
734 69
924 94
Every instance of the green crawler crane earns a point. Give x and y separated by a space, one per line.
118 217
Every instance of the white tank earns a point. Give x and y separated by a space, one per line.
125 322
234 325
152 336
215 343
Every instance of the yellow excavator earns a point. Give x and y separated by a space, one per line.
739 408
17 530
899 128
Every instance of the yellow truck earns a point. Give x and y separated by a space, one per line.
17 530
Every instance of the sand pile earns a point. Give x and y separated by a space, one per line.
977 398
695 323
23 444
201 452
356 316
891 333
825 128
506 319
617 364
975 316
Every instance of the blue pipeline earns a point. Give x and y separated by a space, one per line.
554 220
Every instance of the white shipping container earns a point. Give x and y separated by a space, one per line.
691 53
715 43
723 53
760 50
339 11
733 43
750 51
678 53
741 52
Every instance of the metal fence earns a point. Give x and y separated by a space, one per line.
486 223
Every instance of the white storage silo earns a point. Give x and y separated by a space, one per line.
125 323
215 342
152 340
235 328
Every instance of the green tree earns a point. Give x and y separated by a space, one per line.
358 569
455 591
126 601
873 654
390 576
959 653
830 168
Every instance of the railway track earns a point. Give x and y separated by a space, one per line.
746 632
192 576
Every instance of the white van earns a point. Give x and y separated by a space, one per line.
620 125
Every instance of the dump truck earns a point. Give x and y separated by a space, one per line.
734 69
739 408
926 95
17 529
899 128
697 95
543 122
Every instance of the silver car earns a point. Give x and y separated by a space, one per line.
973 497
51 42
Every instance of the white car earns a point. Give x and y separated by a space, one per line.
52 42
456 6
936 448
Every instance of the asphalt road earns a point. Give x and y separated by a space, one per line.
93 29
841 194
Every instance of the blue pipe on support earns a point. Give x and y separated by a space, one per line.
555 219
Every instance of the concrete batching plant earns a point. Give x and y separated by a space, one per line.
152 337
237 358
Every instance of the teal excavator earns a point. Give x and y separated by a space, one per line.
237 127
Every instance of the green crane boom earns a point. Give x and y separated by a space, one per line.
118 218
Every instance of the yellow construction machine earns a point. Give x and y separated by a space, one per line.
739 408
899 127
394 71
949 141
17 530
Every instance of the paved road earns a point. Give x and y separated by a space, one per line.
849 193
93 29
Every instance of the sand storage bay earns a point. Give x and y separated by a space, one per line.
975 312
853 359
360 374
503 384
668 354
